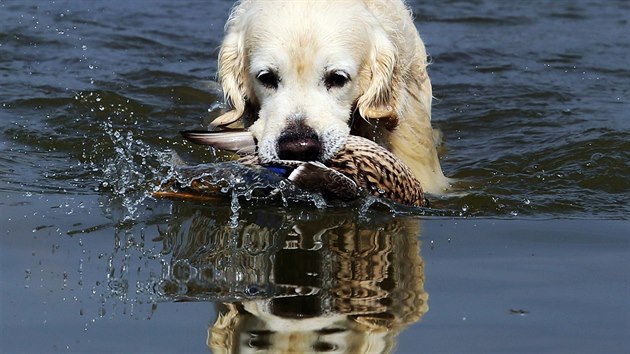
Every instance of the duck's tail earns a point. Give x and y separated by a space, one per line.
240 141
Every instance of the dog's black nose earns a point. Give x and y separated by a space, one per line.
299 144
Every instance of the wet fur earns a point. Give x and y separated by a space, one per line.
387 99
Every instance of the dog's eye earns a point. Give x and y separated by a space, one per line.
336 79
267 78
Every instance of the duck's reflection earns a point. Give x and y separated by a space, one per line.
313 281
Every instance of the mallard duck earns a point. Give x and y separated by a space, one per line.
360 165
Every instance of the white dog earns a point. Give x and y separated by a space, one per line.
303 74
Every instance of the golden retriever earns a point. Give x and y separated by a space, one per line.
303 74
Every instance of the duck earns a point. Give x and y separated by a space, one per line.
360 166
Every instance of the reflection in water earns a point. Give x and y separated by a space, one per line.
305 281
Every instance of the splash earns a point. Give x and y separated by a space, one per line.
238 183
131 173
137 170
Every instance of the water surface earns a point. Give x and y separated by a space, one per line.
530 252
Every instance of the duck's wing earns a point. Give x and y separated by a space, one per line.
378 171
316 177
239 141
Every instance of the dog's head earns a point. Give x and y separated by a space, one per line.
296 72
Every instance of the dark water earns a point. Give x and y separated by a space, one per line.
530 253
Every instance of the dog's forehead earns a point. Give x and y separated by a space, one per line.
317 49
328 33
303 58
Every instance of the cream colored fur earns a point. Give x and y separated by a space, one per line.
374 42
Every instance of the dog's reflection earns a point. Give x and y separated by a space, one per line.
313 281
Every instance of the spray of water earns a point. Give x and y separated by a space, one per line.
137 170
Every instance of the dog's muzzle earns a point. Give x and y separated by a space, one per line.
299 142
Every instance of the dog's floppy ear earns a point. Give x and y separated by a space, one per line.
380 98
233 77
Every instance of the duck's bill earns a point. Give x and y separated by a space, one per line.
237 141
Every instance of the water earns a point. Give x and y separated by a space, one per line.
529 253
